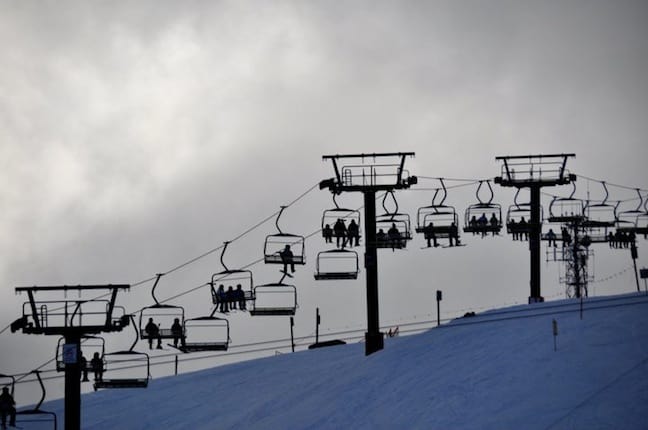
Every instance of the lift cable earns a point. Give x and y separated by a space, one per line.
503 315
437 178
471 182
609 183
190 262
211 251
206 284
247 266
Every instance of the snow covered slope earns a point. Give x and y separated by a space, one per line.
497 370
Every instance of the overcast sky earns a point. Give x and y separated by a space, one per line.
135 136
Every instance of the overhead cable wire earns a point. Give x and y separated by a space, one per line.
302 195
211 251
247 266
503 315
611 184
438 178
244 267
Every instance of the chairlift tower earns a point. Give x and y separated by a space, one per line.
534 172
72 319
369 174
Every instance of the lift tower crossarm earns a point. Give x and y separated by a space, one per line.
343 183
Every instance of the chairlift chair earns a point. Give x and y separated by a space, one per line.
229 277
126 368
275 244
89 346
566 209
336 264
274 299
122 370
518 218
232 278
641 225
393 229
488 211
331 216
387 222
207 333
36 417
483 217
514 219
628 221
438 220
600 215
163 315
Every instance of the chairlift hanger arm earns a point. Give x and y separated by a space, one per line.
607 193
132 319
157 280
492 194
391 193
277 219
641 201
221 256
40 382
445 192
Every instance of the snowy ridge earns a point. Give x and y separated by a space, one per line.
497 370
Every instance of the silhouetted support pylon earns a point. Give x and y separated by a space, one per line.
534 172
368 178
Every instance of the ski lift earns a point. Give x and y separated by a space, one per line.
336 264
332 217
438 221
275 299
207 333
393 229
600 215
231 277
483 217
642 221
627 221
36 417
89 346
276 244
518 218
161 314
566 209
123 369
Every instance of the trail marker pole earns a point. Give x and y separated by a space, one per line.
635 255
292 336
317 324
439 297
